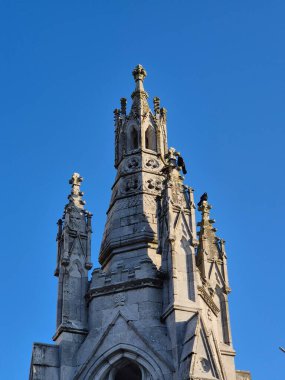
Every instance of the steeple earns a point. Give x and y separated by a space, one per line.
140 149
212 264
73 261
211 249
140 129
157 307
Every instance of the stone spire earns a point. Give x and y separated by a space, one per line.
140 148
73 262
212 264
140 106
139 74
141 128
209 248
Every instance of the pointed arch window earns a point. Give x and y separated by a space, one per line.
129 370
223 318
150 138
134 138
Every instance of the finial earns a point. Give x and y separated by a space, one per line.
76 194
123 105
205 208
116 115
156 103
139 73
140 106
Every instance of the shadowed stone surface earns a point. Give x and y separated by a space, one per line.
157 308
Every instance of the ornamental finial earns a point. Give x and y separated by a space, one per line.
204 207
139 73
140 106
76 194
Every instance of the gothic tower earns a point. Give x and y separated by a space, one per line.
157 308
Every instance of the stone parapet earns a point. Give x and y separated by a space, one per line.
121 275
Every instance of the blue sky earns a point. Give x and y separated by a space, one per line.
218 67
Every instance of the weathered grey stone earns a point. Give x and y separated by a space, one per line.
158 305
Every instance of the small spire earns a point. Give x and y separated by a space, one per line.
123 105
204 207
156 104
76 194
139 74
140 106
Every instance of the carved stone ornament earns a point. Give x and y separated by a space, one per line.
140 107
132 164
205 365
152 164
131 184
119 299
208 300
154 184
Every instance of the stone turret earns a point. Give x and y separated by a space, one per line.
212 264
140 148
73 262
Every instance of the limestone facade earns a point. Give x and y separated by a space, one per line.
157 308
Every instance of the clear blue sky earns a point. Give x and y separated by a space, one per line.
218 67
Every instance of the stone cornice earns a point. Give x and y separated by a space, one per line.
230 352
143 239
123 286
137 171
139 151
65 328
174 307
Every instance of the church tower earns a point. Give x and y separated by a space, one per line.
157 307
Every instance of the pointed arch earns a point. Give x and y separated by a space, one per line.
223 317
150 138
190 267
74 290
133 138
76 268
101 361
127 369
123 355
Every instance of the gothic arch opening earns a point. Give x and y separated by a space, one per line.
223 319
128 370
133 138
123 362
150 138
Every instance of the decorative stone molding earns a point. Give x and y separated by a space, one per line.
209 301
119 299
131 164
151 163
154 184
120 287
204 364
